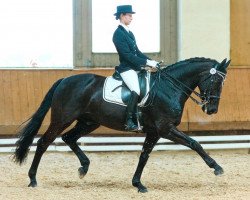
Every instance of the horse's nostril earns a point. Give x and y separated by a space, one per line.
213 111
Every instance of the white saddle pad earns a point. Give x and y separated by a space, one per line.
112 92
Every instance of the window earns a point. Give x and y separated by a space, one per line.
145 25
92 16
36 33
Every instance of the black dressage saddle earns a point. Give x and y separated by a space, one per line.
126 93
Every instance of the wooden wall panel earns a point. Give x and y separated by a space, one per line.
8 108
21 92
15 97
240 32
1 98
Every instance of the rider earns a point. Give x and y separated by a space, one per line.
131 60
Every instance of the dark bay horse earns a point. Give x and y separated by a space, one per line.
80 98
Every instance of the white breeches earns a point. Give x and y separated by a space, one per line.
130 78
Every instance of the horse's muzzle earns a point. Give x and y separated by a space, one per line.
209 109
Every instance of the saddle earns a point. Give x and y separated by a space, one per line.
116 91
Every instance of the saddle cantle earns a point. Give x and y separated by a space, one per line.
116 91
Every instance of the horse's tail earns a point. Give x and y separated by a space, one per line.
29 131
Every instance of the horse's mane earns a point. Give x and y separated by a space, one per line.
191 60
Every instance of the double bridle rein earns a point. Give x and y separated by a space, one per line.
204 98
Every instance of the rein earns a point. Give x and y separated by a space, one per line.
204 99
200 103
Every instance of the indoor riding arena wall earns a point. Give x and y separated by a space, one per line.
23 90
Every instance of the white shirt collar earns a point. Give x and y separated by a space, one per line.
124 26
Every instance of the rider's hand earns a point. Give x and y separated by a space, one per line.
152 63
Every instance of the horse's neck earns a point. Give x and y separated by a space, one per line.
189 75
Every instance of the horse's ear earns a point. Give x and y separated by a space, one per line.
223 62
220 66
227 64
223 66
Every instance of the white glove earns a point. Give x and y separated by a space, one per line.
152 63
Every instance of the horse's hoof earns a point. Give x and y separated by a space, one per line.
219 171
143 190
82 172
32 184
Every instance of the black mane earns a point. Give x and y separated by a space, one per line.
191 60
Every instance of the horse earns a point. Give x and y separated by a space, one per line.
79 98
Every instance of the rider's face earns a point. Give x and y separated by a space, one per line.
126 18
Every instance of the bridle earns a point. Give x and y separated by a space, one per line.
206 96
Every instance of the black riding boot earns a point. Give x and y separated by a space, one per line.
131 111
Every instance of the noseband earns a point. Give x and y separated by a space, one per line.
204 98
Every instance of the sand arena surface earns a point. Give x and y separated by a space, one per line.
167 175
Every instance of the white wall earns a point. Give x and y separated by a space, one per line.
204 29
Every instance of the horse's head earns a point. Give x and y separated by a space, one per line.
211 86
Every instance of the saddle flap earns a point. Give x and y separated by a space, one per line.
116 91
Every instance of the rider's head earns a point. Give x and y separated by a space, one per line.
124 14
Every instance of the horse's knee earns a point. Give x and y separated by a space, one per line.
68 139
194 144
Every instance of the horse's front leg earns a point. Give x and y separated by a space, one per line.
181 138
148 146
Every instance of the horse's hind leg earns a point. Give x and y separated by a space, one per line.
148 146
81 128
42 145
179 137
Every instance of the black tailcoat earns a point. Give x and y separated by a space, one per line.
129 55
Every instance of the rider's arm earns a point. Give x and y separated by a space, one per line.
124 51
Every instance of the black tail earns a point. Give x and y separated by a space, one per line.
27 133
